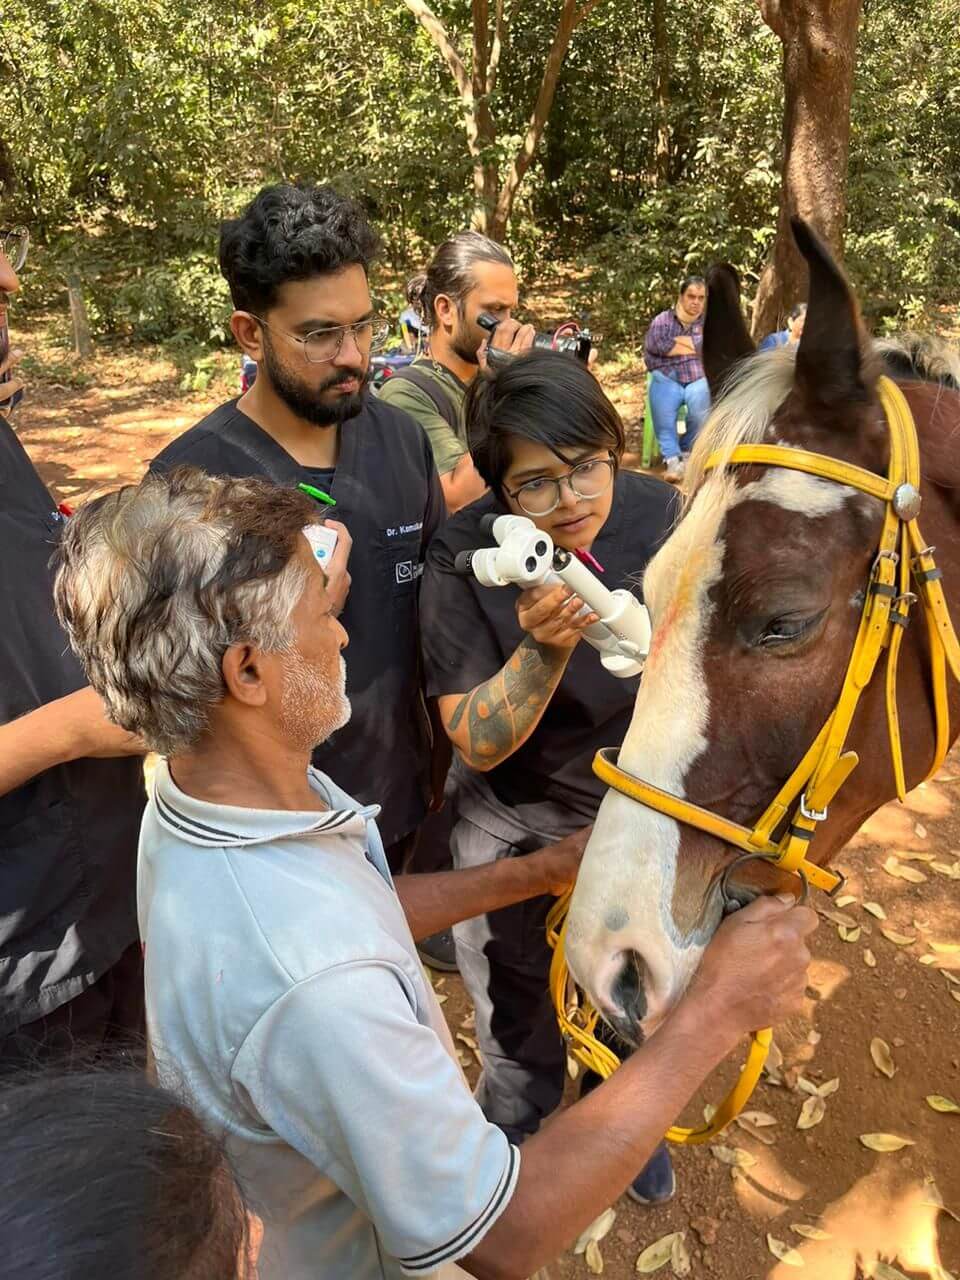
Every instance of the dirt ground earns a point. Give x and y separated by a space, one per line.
875 1214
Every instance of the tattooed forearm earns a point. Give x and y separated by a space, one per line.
492 720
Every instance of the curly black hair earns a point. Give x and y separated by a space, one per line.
292 232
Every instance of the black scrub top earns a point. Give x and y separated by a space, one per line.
68 838
468 632
388 495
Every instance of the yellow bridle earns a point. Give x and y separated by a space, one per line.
804 799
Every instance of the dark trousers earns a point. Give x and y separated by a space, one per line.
108 1015
504 961
427 848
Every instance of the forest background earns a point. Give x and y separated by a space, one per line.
130 128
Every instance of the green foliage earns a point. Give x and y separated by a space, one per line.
135 126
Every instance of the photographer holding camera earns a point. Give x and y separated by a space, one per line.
525 704
468 276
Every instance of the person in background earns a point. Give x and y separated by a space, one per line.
792 333
283 988
671 351
467 275
103 1174
525 705
71 973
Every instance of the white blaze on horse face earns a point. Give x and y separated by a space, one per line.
624 895
795 491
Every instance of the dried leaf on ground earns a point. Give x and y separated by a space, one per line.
955 992
656 1255
679 1257
829 1087
759 1118
810 1233
882 1057
950 977
734 1156
811 1113
596 1230
869 959
920 831
594 1258
937 1102
836 917
894 867
709 1111
875 909
442 998
846 900
951 869
885 1142
901 939
807 1086
761 1135
914 855
849 935
787 1255
945 948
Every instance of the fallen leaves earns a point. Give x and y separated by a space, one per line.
670 1248
894 867
812 1112
950 869
869 959
875 909
885 1142
734 1156
596 1230
849 935
882 1057
847 900
946 1106
810 1233
900 939
784 1252
594 1258
945 948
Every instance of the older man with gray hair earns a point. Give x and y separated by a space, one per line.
283 989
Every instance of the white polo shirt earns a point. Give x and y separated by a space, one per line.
286 1000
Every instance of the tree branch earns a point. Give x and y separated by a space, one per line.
481 46
570 19
772 14
493 65
438 34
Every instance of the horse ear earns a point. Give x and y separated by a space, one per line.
726 339
830 362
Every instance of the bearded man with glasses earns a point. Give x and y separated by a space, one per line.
297 262
525 705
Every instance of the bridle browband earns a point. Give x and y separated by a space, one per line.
803 802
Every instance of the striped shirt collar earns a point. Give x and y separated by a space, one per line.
218 826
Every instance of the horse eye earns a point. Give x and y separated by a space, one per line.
786 629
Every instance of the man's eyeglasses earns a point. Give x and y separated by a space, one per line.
323 345
15 242
586 480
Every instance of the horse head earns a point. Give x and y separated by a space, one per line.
756 600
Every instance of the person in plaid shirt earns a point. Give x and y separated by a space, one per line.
671 350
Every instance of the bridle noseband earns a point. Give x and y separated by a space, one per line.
804 800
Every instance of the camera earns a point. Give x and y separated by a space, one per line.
526 557
569 338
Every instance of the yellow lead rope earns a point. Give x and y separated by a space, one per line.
578 1020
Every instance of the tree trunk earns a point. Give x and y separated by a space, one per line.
661 77
819 49
493 199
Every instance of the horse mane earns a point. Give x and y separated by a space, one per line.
921 355
760 383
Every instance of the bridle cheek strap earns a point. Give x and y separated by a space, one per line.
804 800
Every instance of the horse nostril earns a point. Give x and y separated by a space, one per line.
628 989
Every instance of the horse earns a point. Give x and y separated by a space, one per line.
756 601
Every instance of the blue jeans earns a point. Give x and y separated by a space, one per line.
666 397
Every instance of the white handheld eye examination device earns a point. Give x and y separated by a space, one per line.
525 556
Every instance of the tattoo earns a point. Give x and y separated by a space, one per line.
504 710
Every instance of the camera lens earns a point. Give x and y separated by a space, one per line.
540 548
530 564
